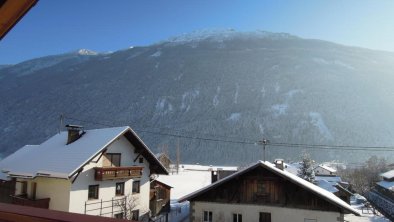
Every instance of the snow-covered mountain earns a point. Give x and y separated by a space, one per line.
224 85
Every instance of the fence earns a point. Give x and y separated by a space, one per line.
105 208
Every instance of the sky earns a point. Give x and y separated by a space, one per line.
55 27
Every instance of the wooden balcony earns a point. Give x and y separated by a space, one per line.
114 173
38 203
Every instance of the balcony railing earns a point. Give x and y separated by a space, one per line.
39 203
113 173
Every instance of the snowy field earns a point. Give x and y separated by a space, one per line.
189 179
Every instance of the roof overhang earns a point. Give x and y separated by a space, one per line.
11 11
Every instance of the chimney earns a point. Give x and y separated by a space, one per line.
74 133
279 163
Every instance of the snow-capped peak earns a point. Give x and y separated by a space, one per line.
220 35
86 52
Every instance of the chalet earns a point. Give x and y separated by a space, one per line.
96 172
323 170
262 192
382 195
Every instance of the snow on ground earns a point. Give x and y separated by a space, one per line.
236 93
190 179
188 97
279 109
156 54
216 97
317 120
234 117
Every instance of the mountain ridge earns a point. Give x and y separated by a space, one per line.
290 90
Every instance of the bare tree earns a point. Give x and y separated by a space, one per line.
128 206
363 178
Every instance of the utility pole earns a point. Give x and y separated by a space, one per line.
178 157
61 122
263 143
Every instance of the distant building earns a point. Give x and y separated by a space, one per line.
164 159
323 170
262 192
220 173
382 195
95 172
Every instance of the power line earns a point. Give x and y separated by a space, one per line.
247 141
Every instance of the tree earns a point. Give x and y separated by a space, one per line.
306 170
128 206
363 178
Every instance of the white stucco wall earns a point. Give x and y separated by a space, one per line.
224 212
56 189
79 189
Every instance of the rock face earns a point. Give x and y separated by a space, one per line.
216 85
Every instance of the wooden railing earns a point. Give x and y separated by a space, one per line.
113 173
39 203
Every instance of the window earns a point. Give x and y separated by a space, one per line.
141 160
237 217
119 189
265 217
161 194
118 216
93 192
136 187
135 214
207 216
260 187
111 160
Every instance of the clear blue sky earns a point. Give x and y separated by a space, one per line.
53 27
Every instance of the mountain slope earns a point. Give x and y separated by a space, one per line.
227 86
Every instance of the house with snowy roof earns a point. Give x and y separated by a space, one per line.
324 170
382 195
263 192
95 172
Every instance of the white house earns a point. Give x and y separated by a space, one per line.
323 170
96 172
262 192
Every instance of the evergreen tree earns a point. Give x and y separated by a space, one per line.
306 170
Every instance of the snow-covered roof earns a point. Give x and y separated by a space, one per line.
207 168
327 186
388 175
54 158
327 168
386 184
335 179
286 175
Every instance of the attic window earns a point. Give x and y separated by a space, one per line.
141 160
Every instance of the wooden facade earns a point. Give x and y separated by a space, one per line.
159 198
262 187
